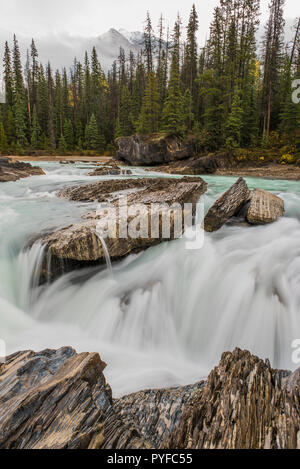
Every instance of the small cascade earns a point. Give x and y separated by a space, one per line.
29 265
106 253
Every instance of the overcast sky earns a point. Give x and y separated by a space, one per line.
92 17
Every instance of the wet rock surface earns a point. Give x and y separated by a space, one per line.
264 208
80 243
139 150
245 404
13 171
59 399
209 164
227 206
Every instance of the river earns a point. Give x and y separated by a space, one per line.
164 317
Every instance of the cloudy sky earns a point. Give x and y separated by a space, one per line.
63 22
93 17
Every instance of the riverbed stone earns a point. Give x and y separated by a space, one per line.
58 399
245 404
14 170
140 150
227 206
80 245
264 208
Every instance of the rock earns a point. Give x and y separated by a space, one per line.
110 171
209 164
79 245
60 400
104 190
245 404
265 207
139 150
156 413
227 206
12 171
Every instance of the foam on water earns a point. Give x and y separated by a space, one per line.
167 314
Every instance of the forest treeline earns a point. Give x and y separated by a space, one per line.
231 93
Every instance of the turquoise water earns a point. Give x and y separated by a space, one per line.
166 315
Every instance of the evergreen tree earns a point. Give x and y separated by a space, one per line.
92 134
148 121
173 116
36 131
235 122
3 140
125 120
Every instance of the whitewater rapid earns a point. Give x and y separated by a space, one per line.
166 315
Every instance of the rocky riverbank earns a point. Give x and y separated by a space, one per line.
13 171
58 399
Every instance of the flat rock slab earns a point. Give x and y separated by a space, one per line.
227 206
13 171
265 207
80 244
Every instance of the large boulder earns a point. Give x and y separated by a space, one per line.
227 206
148 150
208 164
12 171
265 207
245 404
60 400
80 245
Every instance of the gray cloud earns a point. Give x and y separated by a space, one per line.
64 29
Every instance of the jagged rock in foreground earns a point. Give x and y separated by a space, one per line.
245 404
156 413
227 206
140 150
80 245
265 207
60 399
12 171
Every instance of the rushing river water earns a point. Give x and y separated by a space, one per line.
166 315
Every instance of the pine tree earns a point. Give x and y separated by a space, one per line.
148 121
3 140
173 116
36 131
62 146
191 54
234 123
125 120
92 134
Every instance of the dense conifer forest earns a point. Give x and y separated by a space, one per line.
235 92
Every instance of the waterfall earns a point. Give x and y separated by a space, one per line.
167 314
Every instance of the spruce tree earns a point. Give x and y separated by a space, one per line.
173 116
92 134
3 139
234 123
125 120
36 131
148 121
